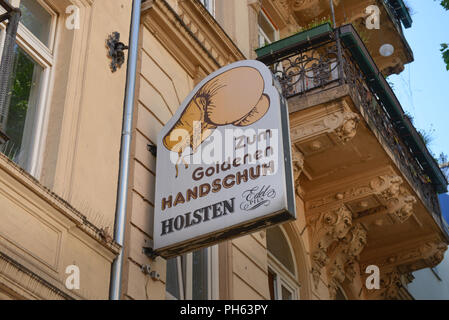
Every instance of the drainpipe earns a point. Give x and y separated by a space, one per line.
122 193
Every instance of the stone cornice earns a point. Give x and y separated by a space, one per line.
191 35
26 283
425 252
280 11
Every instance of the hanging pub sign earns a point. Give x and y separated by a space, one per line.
223 162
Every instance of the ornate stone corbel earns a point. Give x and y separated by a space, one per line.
341 125
299 4
298 167
284 4
332 286
390 284
330 227
433 253
386 187
256 5
401 206
346 255
348 130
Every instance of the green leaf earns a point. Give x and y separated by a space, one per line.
445 52
445 4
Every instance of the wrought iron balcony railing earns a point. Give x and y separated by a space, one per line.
400 11
310 63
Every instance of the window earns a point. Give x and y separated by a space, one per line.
282 278
23 117
268 33
193 276
209 5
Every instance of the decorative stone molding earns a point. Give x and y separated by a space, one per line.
387 187
285 4
346 256
385 194
348 130
298 167
434 252
341 125
255 4
390 284
428 255
190 34
393 286
425 253
29 285
401 207
311 8
284 7
285 18
328 228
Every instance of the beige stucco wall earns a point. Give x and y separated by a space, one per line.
83 143
42 232
162 85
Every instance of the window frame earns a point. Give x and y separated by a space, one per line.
168 295
185 275
44 56
262 32
210 7
283 276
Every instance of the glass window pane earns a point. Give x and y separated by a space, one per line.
272 284
172 281
267 28
208 4
278 246
286 294
199 276
17 120
36 19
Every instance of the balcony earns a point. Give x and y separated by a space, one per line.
393 15
360 156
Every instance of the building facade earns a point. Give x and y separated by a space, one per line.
366 185
433 283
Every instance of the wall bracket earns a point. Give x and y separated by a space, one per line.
150 253
153 149
116 51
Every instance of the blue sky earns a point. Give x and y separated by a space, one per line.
423 87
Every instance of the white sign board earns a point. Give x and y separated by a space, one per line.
223 162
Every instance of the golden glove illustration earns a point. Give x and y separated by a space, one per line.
233 97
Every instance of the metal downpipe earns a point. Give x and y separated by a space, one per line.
122 193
